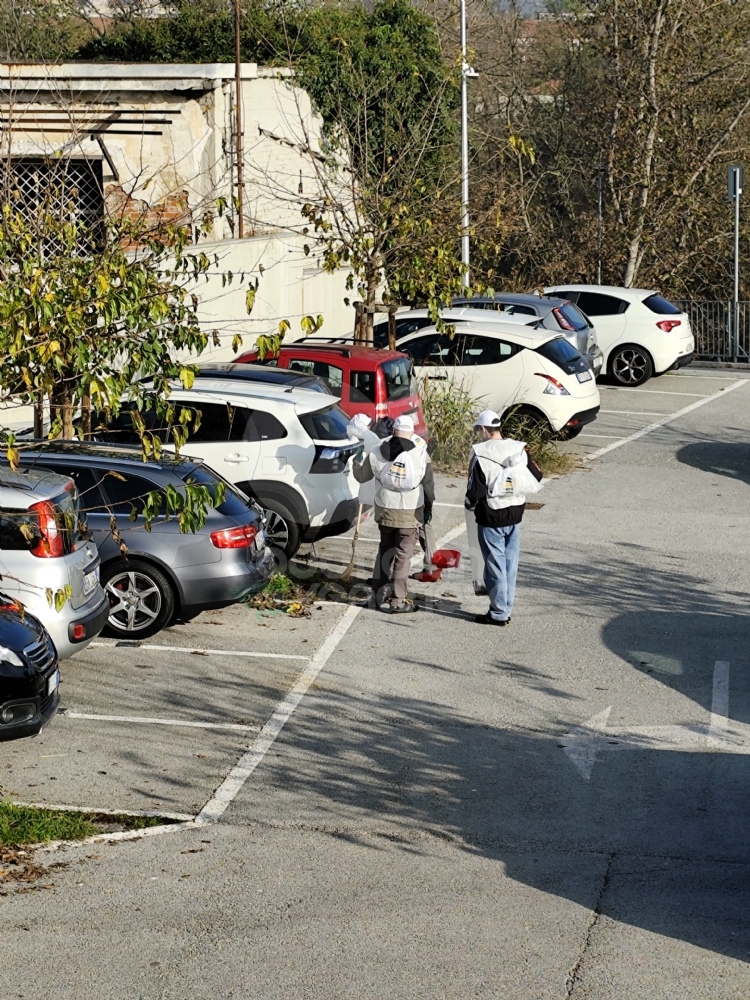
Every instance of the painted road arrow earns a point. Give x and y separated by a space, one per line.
582 744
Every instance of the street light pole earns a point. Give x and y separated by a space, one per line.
238 111
735 181
465 252
600 187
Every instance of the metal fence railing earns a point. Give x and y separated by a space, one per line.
719 335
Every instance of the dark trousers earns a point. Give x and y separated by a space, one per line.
396 548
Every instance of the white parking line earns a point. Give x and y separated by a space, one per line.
436 504
147 720
654 392
124 644
611 437
228 790
665 420
635 413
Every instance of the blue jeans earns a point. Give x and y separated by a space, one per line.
500 549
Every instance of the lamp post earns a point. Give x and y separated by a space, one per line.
467 73
600 193
238 112
735 180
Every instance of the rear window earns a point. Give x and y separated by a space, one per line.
561 353
660 305
232 506
397 378
326 425
574 316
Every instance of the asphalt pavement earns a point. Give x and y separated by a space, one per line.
434 808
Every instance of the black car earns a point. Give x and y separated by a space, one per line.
29 674
165 573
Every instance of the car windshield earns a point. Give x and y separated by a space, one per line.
574 316
398 381
660 305
232 505
326 425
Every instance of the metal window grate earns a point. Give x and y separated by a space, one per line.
67 188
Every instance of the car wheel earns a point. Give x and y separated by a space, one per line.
527 420
141 599
568 433
282 531
631 365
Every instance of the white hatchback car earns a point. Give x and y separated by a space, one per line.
640 332
43 550
507 365
285 447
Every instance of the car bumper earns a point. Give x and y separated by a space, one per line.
582 417
45 708
595 360
92 617
241 573
683 360
342 519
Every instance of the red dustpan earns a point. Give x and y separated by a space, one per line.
446 558
425 577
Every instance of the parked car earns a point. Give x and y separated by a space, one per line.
553 313
640 332
167 573
29 673
284 447
411 320
378 383
44 550
263 374
507 366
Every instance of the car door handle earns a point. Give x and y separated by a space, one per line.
236 459
438 378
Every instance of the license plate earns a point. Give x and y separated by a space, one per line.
90 580
584 376
260 539
54 682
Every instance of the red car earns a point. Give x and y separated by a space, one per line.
366 380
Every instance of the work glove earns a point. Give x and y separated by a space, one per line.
427 513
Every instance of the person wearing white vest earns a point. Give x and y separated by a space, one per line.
404 495
501 473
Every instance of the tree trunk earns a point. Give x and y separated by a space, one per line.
39 416
86 417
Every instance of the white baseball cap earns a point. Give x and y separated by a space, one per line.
488 418
404 424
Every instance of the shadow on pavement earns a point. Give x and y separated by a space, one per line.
720 458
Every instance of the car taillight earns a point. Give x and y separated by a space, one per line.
234 538
50 544
562 319
667 325
553 387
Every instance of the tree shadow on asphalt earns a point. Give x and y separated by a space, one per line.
670 827
720 458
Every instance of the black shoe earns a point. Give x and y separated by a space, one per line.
480 591
404 608
487 619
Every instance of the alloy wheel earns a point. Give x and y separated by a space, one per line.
630 367
135 601
277 530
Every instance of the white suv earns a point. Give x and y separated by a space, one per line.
504 366
43 550
285 447
640 332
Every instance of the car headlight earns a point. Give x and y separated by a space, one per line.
8 656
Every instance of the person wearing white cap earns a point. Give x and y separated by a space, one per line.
500 474
404 495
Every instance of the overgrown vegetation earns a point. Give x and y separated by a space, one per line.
449 411
23 825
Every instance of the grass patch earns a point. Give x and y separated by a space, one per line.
22 825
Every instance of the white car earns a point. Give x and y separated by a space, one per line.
285 447
43 550
507 365
640 332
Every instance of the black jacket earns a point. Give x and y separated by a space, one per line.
476 500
